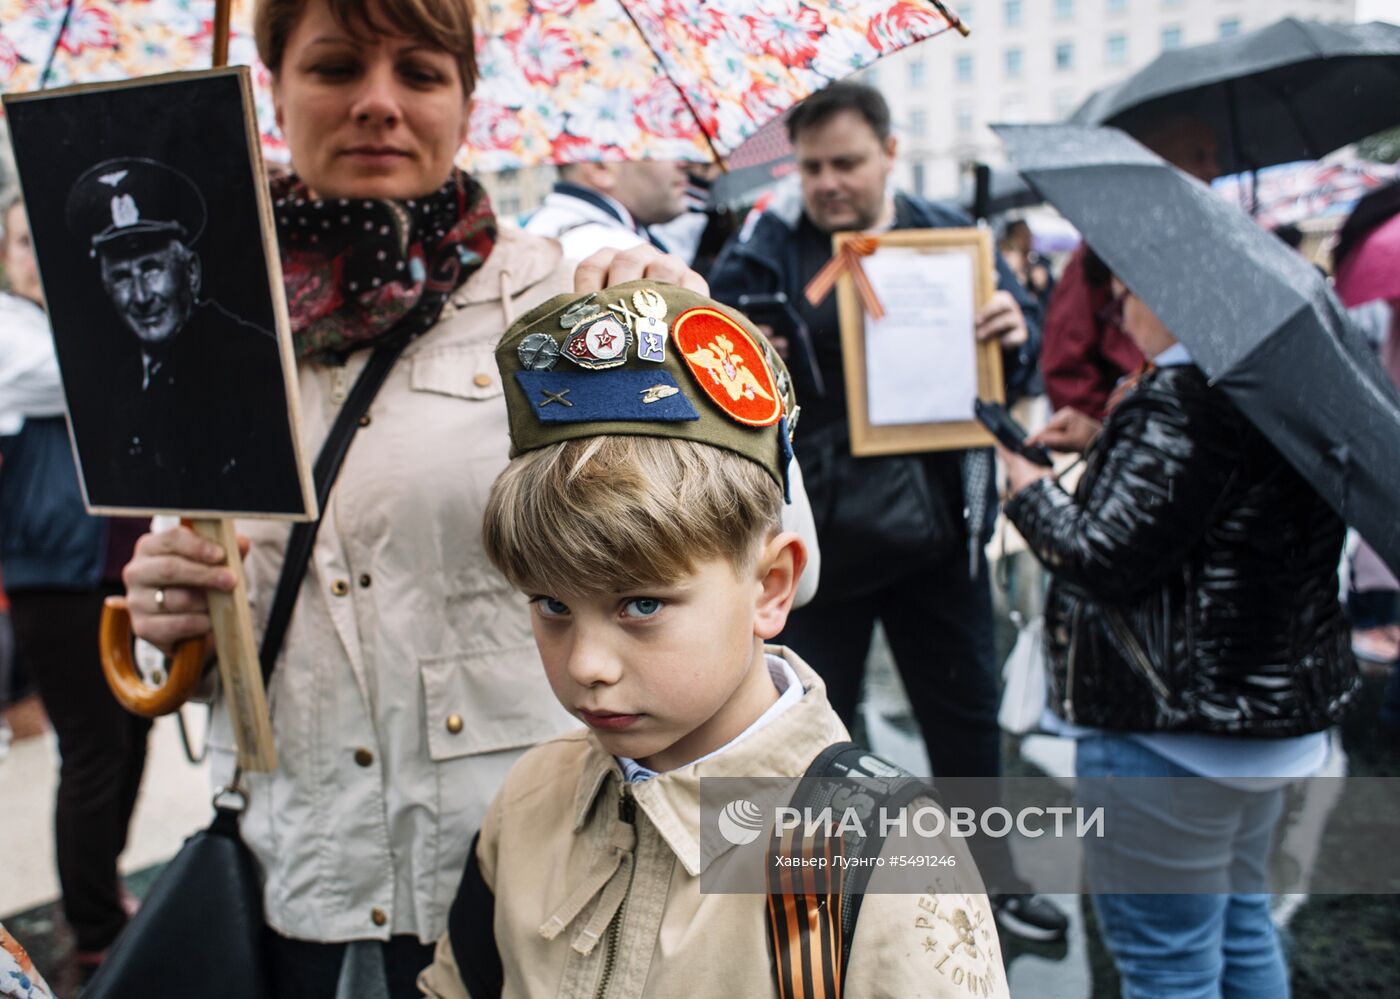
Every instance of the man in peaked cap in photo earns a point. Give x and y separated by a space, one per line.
184 363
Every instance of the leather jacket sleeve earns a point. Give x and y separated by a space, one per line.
1155 481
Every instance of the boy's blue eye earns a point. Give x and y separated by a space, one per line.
642 607
550 607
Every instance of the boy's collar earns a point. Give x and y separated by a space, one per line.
672 800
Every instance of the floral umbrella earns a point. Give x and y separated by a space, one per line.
562 81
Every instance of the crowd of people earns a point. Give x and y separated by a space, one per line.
514 545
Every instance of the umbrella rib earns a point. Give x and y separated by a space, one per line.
685 98
57 41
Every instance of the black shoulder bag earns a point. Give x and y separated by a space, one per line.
200 930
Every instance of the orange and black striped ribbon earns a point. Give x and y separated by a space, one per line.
1126 385
847 261
804 919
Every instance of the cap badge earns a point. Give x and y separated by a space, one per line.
538 352
124 211
651 326
658 392
729 365
599 344
114 178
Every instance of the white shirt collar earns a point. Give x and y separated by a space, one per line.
790 690
1174 356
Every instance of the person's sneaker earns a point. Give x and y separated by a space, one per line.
1031 917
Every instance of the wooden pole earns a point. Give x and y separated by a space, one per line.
223 12
238 657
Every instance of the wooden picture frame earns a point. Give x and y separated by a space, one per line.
189 406
869 437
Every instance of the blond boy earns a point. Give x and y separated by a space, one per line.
641 517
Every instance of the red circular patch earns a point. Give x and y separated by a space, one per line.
729 366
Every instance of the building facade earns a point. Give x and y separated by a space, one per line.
1035 61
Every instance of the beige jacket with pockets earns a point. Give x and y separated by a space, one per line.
409 682
563 867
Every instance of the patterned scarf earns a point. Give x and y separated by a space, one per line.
355 270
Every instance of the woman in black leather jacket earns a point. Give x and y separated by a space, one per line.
1192 631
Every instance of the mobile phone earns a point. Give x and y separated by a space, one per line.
1009 433
776 312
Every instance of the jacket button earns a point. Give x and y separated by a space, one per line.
364 579
378 916
340 587
363 757
366 420
482 380
454 723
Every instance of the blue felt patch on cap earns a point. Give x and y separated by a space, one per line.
785 449
586 396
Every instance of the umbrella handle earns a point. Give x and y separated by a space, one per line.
119 668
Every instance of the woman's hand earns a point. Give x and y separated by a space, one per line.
1020 472
166 581
1068 430
611 266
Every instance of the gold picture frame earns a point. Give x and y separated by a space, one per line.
870 438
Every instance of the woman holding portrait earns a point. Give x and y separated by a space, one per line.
408 682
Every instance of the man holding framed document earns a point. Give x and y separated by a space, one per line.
896 530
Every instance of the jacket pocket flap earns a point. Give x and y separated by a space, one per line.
466 372
482 702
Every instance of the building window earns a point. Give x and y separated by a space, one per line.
963 118
1064 10
1171 38
1171 3
1064 56
917 124
1013 63
1013 13
1116 50
1230 27
965 13
1117 6
918 180
963 68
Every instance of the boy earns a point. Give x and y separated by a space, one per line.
651 438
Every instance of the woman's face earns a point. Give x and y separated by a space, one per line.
17 254
1141 323
368 115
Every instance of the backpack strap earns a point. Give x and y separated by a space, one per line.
471 931
812 910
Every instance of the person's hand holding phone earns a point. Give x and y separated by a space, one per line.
1068 430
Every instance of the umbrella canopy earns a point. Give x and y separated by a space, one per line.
565 81
1298 192
561 81
1295 90
1258 318
1006 191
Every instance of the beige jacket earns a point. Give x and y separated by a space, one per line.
564 868
409 682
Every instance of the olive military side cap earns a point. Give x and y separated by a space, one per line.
125 200
647 359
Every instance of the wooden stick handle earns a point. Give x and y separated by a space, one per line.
223 12
238 657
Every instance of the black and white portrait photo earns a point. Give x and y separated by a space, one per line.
148 231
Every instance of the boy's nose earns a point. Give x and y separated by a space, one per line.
593 664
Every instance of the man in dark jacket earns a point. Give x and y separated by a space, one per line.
901 536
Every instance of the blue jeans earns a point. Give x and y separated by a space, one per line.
1184 946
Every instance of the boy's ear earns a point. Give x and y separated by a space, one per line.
778 568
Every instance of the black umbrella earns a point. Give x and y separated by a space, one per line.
993 190
1295 90
1259 319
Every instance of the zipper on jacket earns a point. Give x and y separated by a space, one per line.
1138 656
1073 655
627 812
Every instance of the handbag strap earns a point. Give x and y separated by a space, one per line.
328 462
